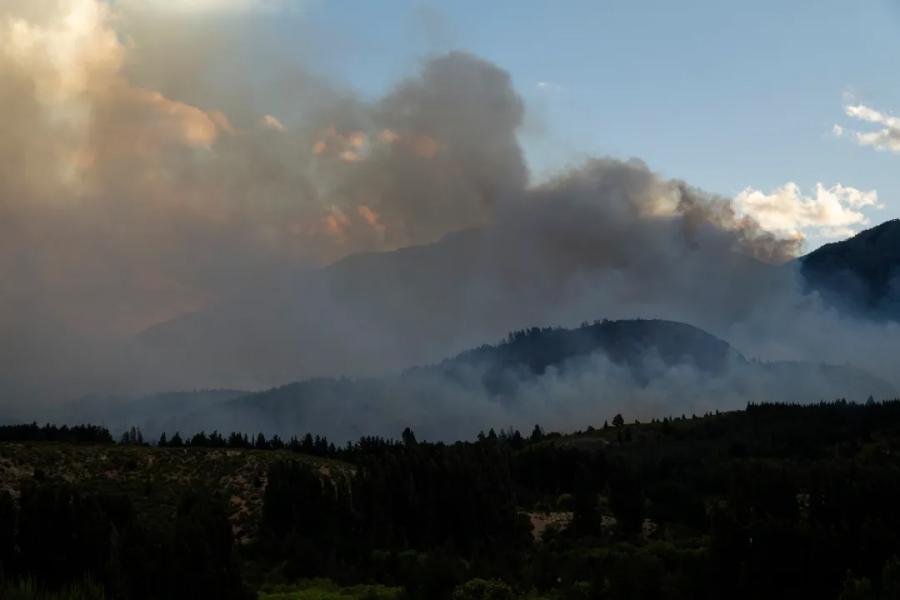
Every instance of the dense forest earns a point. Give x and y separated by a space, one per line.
772 501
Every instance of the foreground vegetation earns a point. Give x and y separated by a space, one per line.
151 479
778 501
325 589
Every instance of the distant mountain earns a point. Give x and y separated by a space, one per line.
625 342
861 274
365 314
374 313
561 378
549 375
643 346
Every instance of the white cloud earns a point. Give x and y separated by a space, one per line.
831 212
887 137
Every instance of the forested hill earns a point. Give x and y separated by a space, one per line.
605 366
629 343
612 362
859 274
780 501
639 352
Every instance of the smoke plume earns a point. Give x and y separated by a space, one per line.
174 216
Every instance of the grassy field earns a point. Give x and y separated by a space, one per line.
155 477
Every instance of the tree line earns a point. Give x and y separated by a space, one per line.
773 501
77 434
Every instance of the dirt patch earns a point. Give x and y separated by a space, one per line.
541 521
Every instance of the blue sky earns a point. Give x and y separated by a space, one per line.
723 95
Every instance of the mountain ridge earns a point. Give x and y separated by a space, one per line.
860 274
609 365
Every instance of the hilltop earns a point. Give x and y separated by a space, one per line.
859 274
600 366
638 367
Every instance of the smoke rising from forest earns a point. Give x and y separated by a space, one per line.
168 216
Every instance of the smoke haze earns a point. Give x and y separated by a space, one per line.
171 217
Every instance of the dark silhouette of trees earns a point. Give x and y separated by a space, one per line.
203 563
773 501
132 437
408 437
66 536
78 434
318 446
7 534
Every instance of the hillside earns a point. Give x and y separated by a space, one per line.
154 478
608 365
629 343
859 274
640 352
636 366
378 312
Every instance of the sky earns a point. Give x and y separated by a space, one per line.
726 96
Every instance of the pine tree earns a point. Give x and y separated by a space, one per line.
409 438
